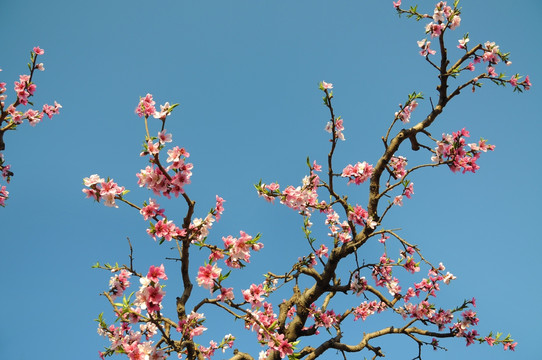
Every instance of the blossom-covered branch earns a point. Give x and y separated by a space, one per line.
281 313
11 117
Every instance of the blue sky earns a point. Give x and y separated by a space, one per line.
246 74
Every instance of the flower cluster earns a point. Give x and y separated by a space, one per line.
425 47
150 294
226 343
254 295
358 284
302 197
238 249
151 210
514 81
263 323
336 128
398 164
192 325
408 191
146 106
358 173
24 89
405 112
340 231
360 216
124 339
468 319
99 189
3 195
154 178
452 151
268 191
367 308
325 318
119 283
165 229
382 275
127 341
491 53
443 16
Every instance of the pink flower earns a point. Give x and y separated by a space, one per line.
281 345
163 137
358 285
409 190
397 4
456 20
93 179
448 277
151 210
3 195
526 83
434 29
164 112
39 51
322 251
152 148
471 337
491 71
463 43
225 294
156 272
31 88
175 156
424 45
327 86
510 346
207 275
219 207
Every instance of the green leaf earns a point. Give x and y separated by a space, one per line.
224 276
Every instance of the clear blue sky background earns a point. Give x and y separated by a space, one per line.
246 76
